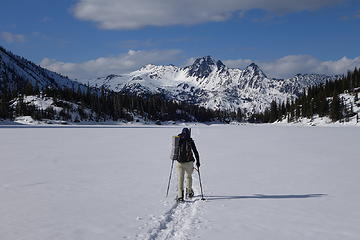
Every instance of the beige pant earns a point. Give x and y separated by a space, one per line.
182 168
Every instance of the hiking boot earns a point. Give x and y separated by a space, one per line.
181 198
189 193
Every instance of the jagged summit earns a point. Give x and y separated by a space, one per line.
253 66
202 67
206 60
254 70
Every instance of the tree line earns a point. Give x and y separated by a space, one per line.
322 100
106 105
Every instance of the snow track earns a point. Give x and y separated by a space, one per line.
177 223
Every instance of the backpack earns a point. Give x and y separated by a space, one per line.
175 148
185 150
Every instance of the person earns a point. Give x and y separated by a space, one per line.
185 164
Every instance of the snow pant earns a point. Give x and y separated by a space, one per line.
182 168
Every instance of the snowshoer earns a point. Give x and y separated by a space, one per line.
185 164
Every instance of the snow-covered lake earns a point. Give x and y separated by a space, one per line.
107 183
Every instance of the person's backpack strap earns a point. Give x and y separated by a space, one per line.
195 151
189 156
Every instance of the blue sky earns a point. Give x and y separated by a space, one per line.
88 38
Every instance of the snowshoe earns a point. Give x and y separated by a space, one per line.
189 193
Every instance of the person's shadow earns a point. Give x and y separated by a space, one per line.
262 196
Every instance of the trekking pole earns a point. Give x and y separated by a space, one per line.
202 194
167 191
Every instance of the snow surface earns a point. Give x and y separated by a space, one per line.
109 182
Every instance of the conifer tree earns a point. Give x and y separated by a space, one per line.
336 108
239 116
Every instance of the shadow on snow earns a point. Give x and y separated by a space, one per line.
261 196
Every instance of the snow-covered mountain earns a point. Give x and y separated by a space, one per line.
209 83
17 71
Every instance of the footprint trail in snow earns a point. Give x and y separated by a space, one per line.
179 222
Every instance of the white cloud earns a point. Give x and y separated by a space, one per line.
132 14
188 62
238 63
283 67
102 66
290 65
11 38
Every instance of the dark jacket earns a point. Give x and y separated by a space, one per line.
187 148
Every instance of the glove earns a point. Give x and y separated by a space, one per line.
198 164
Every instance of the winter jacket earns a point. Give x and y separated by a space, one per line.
187 148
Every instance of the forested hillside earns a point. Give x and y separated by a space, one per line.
338 100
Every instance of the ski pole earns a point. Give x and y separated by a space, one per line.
202 194
167 191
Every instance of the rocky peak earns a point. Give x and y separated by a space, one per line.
202 67
111 76
207 60
254 70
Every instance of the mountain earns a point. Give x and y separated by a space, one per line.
207 83
211 84
30 94
16 72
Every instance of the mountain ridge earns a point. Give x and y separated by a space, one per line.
18 71
210 83
207 82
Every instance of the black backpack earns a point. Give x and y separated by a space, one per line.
185 152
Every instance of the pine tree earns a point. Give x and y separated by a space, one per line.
336 109
239 116
273 111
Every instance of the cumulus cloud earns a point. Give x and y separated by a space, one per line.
11 37
238 63
103 66
290 65
132 14
283 67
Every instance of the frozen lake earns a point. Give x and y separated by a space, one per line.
260 181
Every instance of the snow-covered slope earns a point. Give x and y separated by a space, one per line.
209 83
60 110
351 112
16 71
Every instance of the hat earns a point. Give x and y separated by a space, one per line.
185 132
